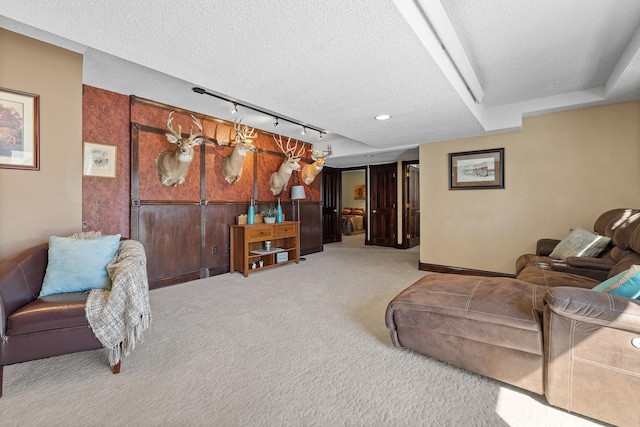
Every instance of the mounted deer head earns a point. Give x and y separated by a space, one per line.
232 164
279 179
172 165
310 171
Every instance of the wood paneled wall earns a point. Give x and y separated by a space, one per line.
185 229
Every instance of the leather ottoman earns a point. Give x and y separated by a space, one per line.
491 326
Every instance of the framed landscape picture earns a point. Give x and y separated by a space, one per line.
19 130
481 169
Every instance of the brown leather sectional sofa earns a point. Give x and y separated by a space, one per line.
545 331
585 272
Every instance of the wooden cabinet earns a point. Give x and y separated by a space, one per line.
249 251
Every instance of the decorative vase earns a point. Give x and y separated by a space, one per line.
279 212
251 215
269 219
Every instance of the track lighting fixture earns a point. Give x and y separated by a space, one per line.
304 126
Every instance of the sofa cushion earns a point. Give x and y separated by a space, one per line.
48 313
580 242
77 265
491 326
545 276
626 284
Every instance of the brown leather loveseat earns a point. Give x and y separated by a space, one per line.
578 347
33 327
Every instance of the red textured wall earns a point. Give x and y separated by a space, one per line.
105 201
257 167
107 118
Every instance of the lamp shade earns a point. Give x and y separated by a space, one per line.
297 192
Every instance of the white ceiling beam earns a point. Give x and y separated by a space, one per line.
631 51
414 14
449 38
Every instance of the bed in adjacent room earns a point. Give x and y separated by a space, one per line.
352 220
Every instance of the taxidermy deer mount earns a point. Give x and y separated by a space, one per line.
172 166
279 179
232 164
310 171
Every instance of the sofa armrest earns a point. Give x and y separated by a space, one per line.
598 308
603 264
544 247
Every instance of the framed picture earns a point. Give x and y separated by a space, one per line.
359 192
19 130
99 160
472 170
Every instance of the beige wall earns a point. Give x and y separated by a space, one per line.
561 171
349 179
37 204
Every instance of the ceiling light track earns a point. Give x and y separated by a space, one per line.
237 104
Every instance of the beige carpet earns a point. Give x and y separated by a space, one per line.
297 345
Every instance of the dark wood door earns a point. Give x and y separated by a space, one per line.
331 196
412 200
383 205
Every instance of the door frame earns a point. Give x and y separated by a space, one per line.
405 199
394 223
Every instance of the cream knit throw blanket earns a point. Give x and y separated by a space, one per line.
119 317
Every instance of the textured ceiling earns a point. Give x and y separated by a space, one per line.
336 64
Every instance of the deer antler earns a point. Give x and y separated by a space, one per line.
290 152
278 141
295 153
244 131
177 135
197 122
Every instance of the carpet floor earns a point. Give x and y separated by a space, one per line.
297 345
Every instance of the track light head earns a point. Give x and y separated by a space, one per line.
275 124
234 110
304 130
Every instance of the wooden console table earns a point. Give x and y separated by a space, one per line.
248 253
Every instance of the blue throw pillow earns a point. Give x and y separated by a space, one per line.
77 265
626 284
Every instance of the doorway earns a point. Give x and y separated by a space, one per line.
354 203
331 205
383 205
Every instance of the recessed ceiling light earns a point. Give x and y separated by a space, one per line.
383 117
369 155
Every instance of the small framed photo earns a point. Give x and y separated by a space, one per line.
99 160
471 170
19 130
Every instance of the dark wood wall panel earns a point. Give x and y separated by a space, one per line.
310 228
171 237
218 217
